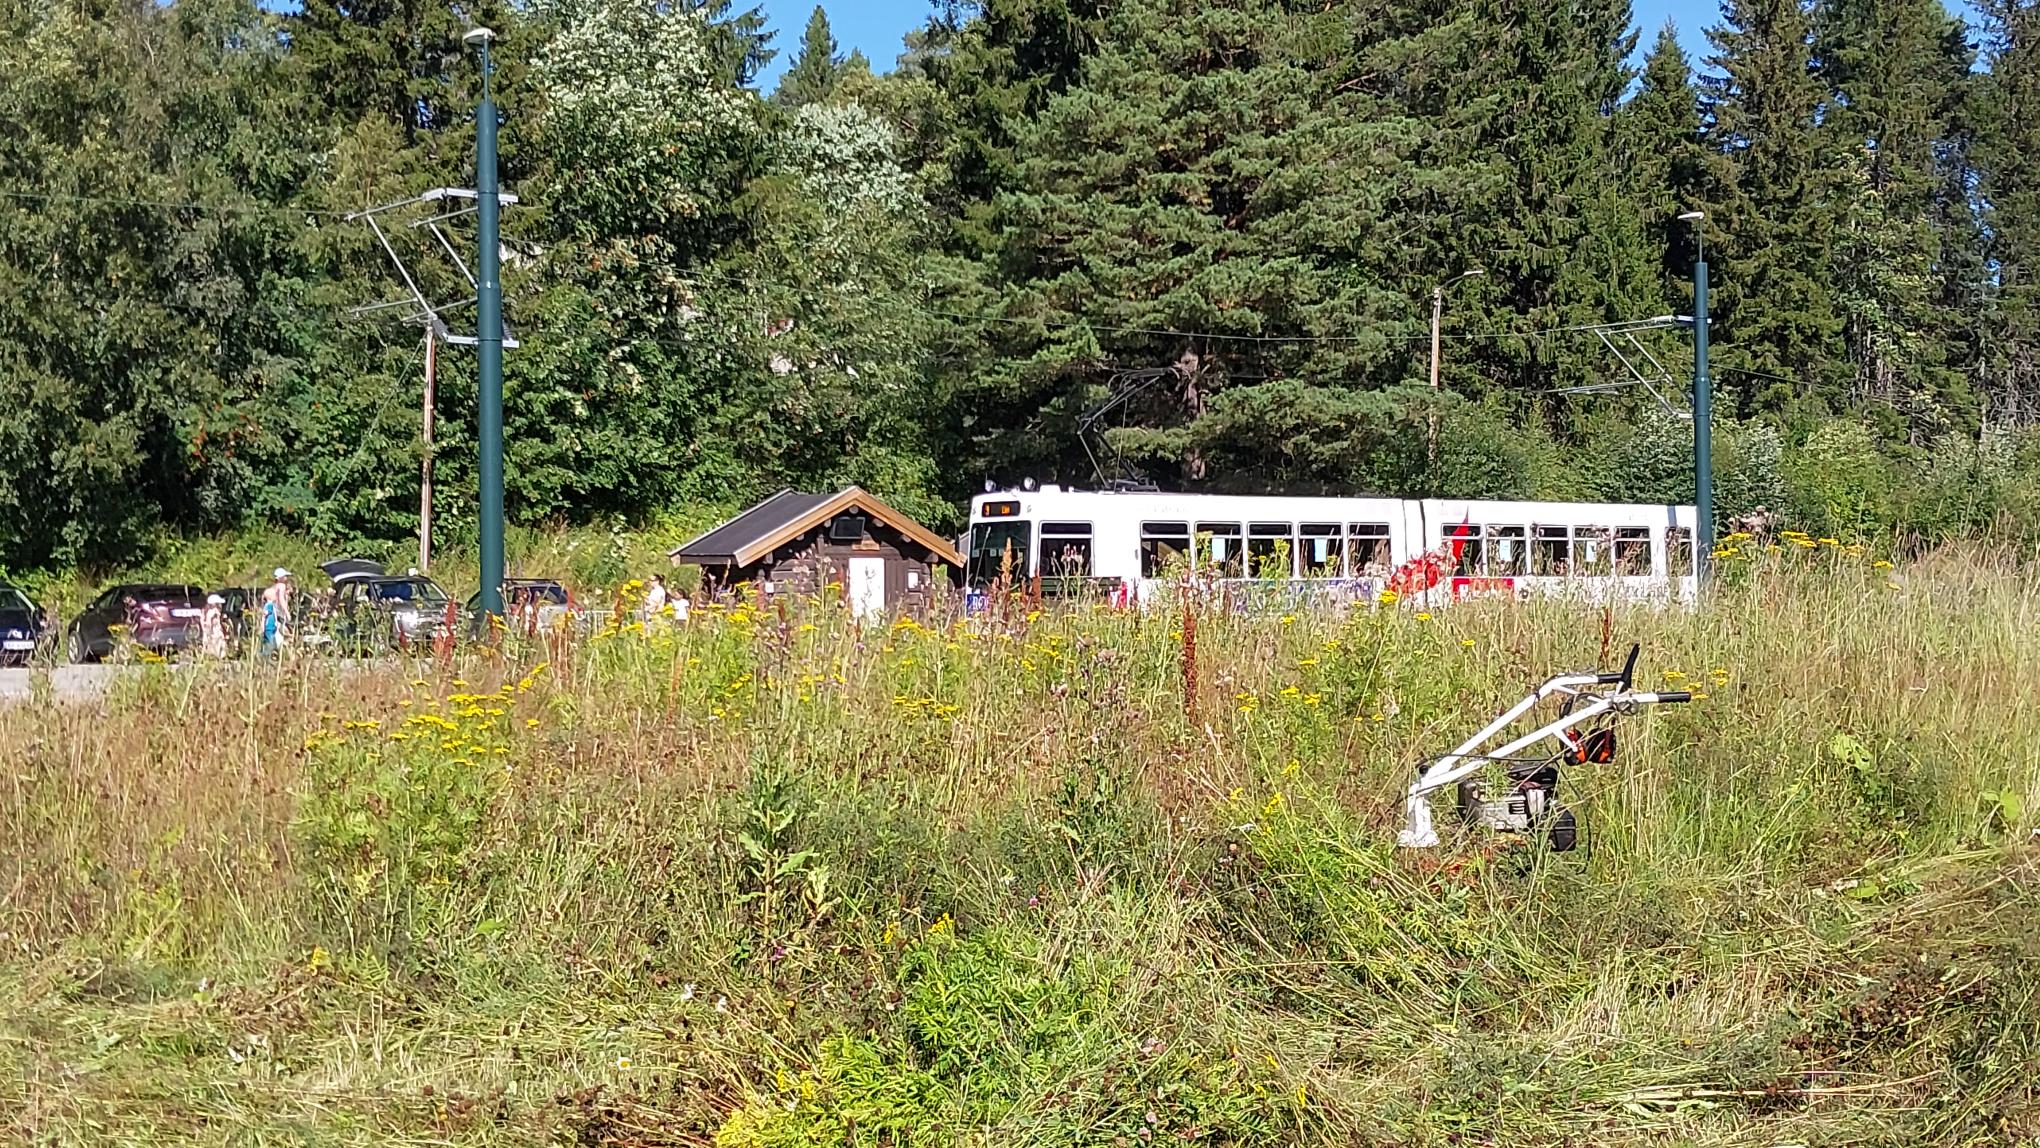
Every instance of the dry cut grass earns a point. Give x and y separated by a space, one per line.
1061 877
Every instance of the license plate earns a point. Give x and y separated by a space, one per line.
17 644
187 613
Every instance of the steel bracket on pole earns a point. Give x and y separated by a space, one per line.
419 309
1644 368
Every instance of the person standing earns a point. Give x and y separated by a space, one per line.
276 612
212 627
655 599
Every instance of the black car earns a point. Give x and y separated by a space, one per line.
23 625
158 617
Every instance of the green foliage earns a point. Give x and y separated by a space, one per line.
917 280
389 824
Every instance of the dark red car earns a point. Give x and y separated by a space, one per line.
163 619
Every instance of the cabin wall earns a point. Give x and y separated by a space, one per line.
807 564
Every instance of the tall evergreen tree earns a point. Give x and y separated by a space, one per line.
1665 161
1896 71
2008 157
1774 309
818 69
995 63
1206 173
1561 240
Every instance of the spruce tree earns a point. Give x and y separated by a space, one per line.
2007 153
1207 173
1559 236
817 68
1665 161
1773 305
1895 72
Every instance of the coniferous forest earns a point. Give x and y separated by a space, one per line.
921 279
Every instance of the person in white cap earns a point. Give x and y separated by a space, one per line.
276 612
212 627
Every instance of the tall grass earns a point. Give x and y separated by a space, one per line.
772 880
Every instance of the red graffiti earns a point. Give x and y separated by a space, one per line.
1427 570
1478 587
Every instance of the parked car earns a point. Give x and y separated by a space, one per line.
159 618
530 606
23 625
373 610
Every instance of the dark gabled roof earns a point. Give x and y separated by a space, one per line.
759 531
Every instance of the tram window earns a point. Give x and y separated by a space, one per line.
1548 552
998 549
1164 548
1678 552
1367 550
1467 537
1318 549
1590 551
1066 549
1218 549
1632 550
1506 557
1270 551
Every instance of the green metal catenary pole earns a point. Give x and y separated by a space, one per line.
490 337
1703 429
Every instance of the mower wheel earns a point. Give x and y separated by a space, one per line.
1563 832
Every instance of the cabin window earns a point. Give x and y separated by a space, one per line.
1367 550
1317 549
1066 549
1548 552
1590 551
1471 553
1218 549
1270 552
1632 550
1507 555
998 550
1678 551
1164 549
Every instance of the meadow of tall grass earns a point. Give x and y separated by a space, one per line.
1044 877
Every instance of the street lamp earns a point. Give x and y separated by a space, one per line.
489 336
1437 318
1703 409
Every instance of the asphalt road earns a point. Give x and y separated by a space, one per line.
67 683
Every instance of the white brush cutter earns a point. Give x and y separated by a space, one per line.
1530 803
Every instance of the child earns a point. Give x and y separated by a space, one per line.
212 627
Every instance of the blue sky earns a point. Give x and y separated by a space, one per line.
875 26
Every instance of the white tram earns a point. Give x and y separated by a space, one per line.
1429 550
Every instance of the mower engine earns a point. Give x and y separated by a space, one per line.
1511 790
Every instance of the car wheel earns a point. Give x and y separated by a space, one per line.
80 654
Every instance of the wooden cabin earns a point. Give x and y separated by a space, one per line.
797 543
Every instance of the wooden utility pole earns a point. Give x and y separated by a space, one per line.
425 474
1437 321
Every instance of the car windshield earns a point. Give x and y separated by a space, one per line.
12 599
162 593
544 594
408 592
